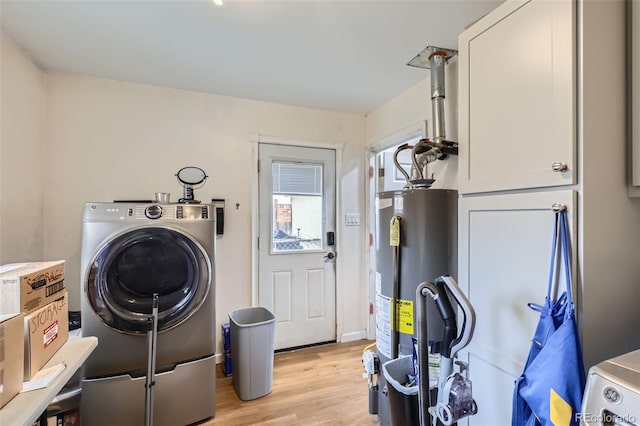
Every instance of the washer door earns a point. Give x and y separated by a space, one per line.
132 266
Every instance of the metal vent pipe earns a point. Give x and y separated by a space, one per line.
435 58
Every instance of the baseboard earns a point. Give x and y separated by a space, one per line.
354 335
347 337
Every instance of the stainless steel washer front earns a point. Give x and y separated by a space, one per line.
129 252
131 267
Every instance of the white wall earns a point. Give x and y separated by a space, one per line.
124 140
609 221
22 165
405 112
86 139
98 140
112 140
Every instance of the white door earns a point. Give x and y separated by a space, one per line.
517 98
504 253
296 270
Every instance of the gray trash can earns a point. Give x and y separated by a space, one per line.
252 334
403 400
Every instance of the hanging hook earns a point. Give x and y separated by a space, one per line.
559 207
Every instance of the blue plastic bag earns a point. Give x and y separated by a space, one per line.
550 389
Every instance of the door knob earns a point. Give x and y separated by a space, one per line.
329 256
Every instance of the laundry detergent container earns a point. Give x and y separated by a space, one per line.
403 400
252 340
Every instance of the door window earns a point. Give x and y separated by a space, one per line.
297 207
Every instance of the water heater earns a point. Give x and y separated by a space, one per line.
416 240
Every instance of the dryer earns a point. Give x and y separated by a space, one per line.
612 394
129 252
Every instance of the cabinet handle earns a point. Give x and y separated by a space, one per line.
559 167
559 207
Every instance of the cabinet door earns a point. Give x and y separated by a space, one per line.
517 97
504 253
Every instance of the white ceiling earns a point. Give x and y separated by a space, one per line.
347 55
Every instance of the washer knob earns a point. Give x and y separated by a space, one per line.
153 212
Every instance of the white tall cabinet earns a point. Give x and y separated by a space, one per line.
542 101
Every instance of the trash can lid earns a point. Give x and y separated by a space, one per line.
251 316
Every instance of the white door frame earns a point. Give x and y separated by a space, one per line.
370 196
256 139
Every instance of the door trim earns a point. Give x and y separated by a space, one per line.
255 139
394 139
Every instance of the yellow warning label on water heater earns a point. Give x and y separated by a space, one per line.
404 316
394 232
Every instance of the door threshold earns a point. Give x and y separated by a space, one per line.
311 345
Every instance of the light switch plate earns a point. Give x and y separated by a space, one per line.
352 219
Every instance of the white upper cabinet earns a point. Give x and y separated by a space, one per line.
517 100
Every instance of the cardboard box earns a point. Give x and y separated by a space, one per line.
11 356
45 331
26 287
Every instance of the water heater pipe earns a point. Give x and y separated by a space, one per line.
399 167
423 154
395 335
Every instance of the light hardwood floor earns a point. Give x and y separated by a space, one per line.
315 386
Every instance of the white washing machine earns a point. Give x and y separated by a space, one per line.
612 394
129 252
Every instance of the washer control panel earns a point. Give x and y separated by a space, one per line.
186 211
153 212
122 211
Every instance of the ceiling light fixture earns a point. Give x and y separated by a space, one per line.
217 2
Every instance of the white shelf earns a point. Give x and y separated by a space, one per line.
27 407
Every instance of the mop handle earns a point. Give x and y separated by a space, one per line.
152 335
